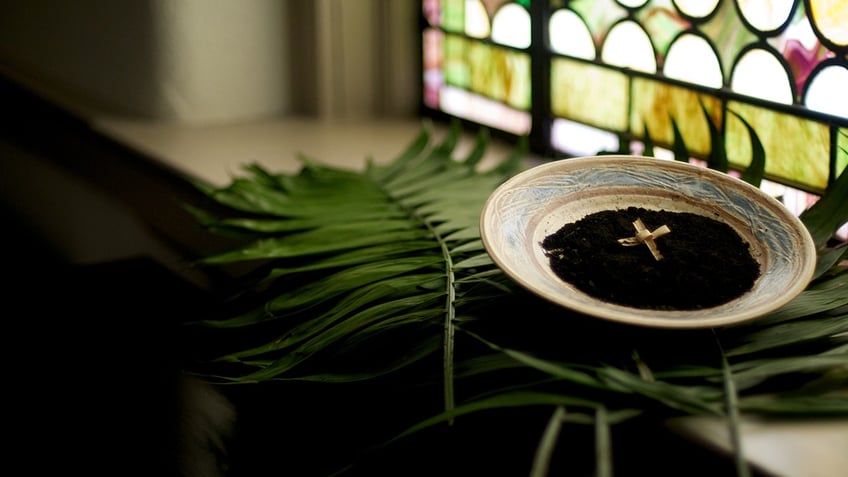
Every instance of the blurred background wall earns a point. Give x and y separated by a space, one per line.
212 61
193 63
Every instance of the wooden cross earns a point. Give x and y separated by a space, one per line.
643 235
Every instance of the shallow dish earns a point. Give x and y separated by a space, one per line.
537 202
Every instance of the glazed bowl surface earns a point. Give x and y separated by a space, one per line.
537 202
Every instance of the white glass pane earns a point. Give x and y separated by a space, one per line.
570 36
766 15
761 75
511 26
581 140
691 58
461 103
828 91
476 19
795 200
696 8
627 45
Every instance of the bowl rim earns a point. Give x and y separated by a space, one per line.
636 316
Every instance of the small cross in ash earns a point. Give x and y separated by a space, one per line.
643 235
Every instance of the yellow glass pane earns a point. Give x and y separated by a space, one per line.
842 150
830 17
589 94
797 149
500 74
655 103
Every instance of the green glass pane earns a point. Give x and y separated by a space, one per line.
797 149
456 69
841 150
659 18
655 104
589 94
453 15
500 74
599 15
727 32
662 22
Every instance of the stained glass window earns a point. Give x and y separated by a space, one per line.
581 77
477 63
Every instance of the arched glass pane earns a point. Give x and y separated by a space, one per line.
828 91
692 59
570 36
766 15
511 26
696 8
632 3
759 74
627 45
830 18
476 19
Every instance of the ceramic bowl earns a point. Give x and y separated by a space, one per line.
538 201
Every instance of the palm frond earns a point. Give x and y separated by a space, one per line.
733 418
382 274
547 445
829 213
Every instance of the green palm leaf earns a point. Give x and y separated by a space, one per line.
382 274
829 213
